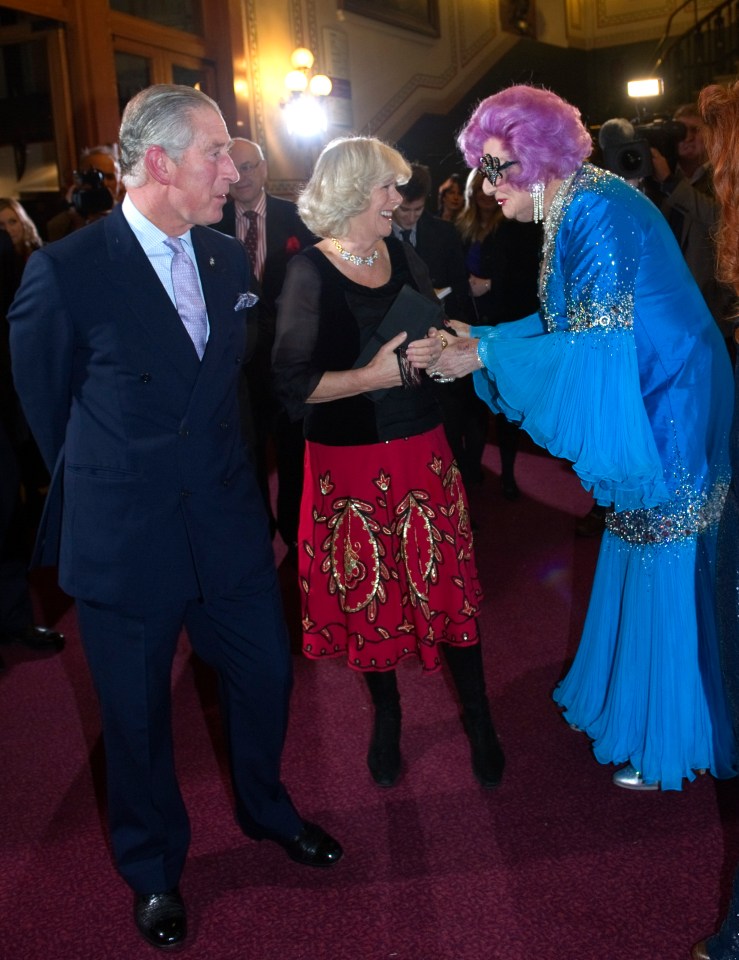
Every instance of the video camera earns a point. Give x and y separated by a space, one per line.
90 195
627 148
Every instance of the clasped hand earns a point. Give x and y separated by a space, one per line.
421 354
460 357
444 354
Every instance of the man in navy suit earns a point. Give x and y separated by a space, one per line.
153 513
437 242
271 230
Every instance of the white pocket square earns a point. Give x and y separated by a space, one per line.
246 300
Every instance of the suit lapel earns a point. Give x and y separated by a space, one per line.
136 283
214 280
276 229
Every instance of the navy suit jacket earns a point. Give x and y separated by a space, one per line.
152 492
439 245
285 235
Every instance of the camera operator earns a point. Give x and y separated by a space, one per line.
686 198
98 171
623 152
91 199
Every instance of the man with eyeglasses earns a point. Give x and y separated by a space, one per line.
272 232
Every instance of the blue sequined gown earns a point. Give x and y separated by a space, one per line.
624 373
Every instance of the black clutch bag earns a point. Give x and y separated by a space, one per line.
410 312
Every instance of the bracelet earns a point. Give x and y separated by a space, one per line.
409 376
480 364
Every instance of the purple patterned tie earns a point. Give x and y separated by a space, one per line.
188 298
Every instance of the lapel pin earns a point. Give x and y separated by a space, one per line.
212 262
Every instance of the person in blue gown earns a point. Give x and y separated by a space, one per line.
719 107
624 373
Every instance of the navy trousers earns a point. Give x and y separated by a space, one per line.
244 639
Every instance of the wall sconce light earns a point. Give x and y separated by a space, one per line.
305 114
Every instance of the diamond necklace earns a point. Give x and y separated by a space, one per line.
353 258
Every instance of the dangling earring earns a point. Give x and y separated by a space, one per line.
537 195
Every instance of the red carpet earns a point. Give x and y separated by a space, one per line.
557 864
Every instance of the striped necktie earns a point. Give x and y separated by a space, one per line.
252 237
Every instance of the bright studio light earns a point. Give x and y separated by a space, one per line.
646 87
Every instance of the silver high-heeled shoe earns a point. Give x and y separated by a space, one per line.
630 778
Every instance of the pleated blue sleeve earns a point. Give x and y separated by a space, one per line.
569 376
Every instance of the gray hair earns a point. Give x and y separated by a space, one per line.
104 150
160 115
342 181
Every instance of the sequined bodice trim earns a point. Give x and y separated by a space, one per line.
595 295
590 309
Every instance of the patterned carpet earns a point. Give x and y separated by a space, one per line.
557 864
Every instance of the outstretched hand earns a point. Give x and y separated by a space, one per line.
459 327
457 360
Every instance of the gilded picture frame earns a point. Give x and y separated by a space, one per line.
420 16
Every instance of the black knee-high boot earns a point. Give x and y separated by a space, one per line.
383 757
465 666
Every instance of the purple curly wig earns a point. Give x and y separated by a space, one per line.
541 130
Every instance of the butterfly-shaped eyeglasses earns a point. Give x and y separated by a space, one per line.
492 168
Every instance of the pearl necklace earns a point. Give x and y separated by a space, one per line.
353 258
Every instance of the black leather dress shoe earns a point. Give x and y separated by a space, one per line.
312 847
36 638
161 918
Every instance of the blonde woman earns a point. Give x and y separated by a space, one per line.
385 556
19 227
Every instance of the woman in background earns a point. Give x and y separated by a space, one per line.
503 263
719 107
451 198
23 476
22 231
624 372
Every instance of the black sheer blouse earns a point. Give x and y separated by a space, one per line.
324 320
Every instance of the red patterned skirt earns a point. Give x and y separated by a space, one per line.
386 563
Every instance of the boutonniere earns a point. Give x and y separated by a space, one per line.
292 245
246 300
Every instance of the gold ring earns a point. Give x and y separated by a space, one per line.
444 341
